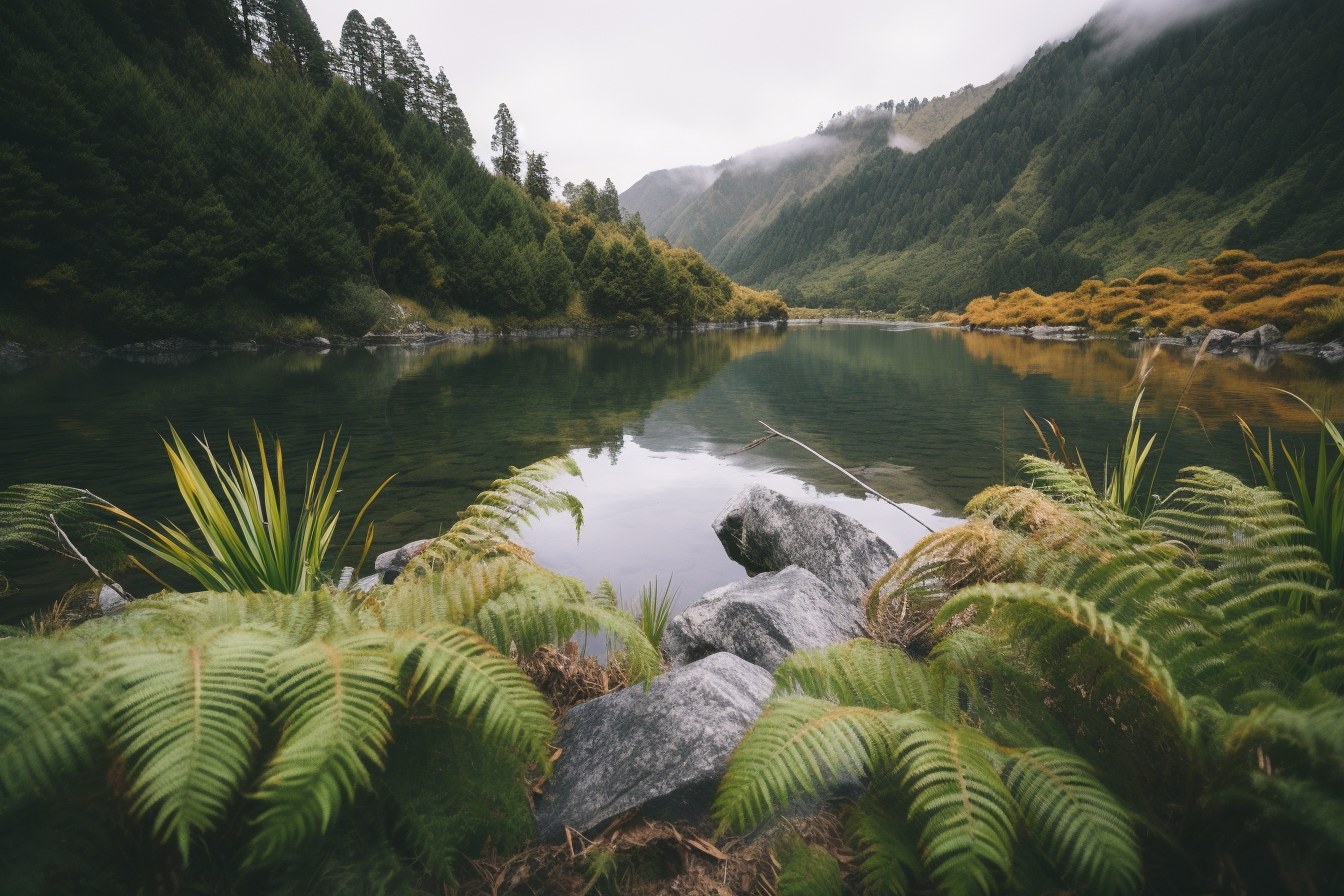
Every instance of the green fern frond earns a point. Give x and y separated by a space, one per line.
485 528
55 706
1124 640
1079 825
880 828
335 699
965 816
799 745
861 673
484 688
187 725
806 870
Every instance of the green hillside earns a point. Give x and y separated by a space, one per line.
214 169
1223 132
715 208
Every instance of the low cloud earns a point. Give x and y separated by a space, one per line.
1126 25
765 158
904 143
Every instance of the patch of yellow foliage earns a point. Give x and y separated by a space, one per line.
1304 298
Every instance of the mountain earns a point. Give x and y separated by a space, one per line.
1107 155
714 208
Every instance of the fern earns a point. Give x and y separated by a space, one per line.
880 826
336 700
966 817
187 722
1078 823
800 745
862 673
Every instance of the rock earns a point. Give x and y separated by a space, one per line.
766 532
368 583
1135 334
110 602
389 564
664 749
1219 340
1333 352
763 620
1194 335
13 357
1262 336
1041 331
320 342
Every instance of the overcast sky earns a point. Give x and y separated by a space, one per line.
618 89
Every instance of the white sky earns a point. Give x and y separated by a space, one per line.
618 89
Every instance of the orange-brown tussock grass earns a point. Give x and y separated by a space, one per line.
1303 297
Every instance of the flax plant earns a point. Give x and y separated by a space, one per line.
253 545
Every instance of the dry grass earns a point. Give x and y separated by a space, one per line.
567 679
651 858
1304 298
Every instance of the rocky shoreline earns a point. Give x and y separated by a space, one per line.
1257 346
174 351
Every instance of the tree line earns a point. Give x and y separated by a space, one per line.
218 170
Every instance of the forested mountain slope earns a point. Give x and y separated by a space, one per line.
214 169
713 208
1099 159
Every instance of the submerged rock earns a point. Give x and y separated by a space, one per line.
389 564
663 749
1043 331
763 620
767 532
1333 352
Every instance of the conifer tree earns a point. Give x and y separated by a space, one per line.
357 50
505 142
419 80
447 114
609 203
538 181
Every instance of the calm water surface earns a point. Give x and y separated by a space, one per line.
652 421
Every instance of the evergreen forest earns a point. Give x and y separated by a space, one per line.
1099 160
215 169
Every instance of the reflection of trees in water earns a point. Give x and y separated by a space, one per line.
449 418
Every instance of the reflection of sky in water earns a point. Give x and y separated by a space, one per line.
648 512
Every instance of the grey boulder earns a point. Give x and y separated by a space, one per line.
766 532
389 564
110 602
763 620
1219 340
663 749
1333 352
1262 336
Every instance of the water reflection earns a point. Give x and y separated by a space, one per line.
917 413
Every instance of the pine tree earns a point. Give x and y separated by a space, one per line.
447 114
419 80
538 181
505 142
357 60
609 203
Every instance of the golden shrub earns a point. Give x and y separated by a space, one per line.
1158 276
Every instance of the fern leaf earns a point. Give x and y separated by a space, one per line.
55 712
186 724
1124 640
860 673
965 816
881 829
799 745
1078 823
485 689
336 699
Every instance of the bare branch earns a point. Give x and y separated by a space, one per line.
106 580
774 433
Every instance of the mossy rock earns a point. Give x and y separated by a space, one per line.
806 870
1121 283
1158 276
1232 257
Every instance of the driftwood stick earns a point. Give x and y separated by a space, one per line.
70 545
774 433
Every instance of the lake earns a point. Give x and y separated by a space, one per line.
928 416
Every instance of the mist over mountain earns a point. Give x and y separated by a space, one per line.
714 208
1158 134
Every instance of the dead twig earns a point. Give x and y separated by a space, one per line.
70 545
776 434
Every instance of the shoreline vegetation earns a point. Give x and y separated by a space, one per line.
1302 298
216 172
